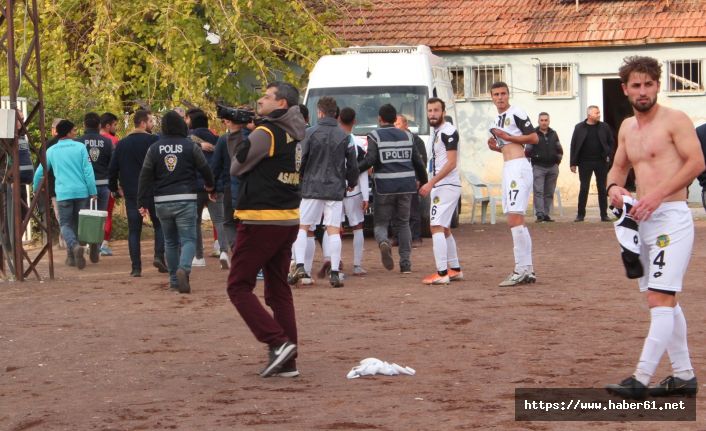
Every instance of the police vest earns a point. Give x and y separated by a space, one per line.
394 172
270 191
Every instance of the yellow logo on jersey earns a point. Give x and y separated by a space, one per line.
513 184
662 241
507 122
436 200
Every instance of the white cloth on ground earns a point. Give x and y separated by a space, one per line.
372 366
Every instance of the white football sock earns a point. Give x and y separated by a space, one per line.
325 247
522 249
661 328
451 252
309 256
358 241
677 348
334 243
300 246
440 250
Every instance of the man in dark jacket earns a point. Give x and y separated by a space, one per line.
100 150
701 133
328 168
591 149
399 170
128 158
415 216
268 209
545 157
206 140
169 172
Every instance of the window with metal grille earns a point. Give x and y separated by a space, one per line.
555 79
685 76
458 83
483 78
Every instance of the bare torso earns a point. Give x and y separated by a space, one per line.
512 151
651 150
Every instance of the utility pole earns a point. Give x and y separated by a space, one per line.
27 71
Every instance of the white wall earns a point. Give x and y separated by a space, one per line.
593 64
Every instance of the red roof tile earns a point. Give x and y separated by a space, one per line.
458 25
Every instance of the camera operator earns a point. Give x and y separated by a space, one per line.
236 122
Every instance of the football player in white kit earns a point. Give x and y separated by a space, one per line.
511 130
444 186
356 201
660 144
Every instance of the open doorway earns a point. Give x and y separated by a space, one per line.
616 108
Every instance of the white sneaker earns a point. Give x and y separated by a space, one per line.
198 262
359 271
306 281
517 278
225 261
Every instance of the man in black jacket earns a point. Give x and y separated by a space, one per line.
169 172
100 150
545 157
701 133
128 158
399 170
591 149
328 167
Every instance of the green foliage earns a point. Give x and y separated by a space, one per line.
115 55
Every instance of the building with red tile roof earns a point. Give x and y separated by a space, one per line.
558 56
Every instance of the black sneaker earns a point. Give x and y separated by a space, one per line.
406 269
674 386
540 219
386 256
136 273
70 261
183 281
630 388
173 287
278 356
297 274
159 263
605 218
579 218
94 252
77 252
335 279
548 219
287 372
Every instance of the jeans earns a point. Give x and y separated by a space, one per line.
103 194
229 224
178 221
544 187
415 218
134 226
586 169
215 210
395 209
68 220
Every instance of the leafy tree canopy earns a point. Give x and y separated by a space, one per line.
118 54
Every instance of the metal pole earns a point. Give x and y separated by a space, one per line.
43 134
16 197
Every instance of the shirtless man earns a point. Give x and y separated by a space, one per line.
660 144
510 131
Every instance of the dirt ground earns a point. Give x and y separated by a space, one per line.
98 350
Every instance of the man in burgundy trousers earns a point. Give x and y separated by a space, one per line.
267 164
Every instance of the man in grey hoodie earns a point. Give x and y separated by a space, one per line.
267 164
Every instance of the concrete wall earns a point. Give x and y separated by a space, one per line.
591 66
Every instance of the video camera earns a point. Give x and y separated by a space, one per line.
236 115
